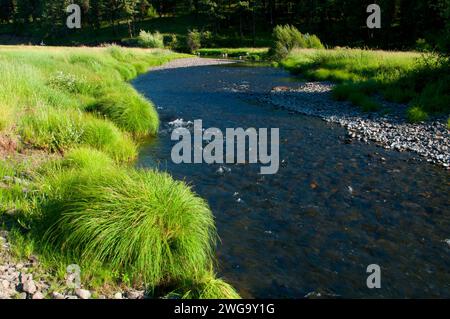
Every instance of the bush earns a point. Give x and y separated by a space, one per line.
194 40
172 42
150 40
313 42
416 114
288 37
142 224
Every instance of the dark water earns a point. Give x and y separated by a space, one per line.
303 230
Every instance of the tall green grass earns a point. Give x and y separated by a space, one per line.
62 80
402 77
140 223
88 206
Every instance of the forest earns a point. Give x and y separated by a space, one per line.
405 24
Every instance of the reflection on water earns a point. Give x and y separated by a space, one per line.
333 208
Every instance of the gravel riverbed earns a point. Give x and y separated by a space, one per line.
192 62
387 128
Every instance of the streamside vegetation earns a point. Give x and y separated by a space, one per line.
70 126
420 80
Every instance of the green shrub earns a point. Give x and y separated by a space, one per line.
416 114
172 42
194 40
313 42
142 224
287 38
150 40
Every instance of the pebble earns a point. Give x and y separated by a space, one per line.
118 295
38 296
83 293
57 295
134 295
30 287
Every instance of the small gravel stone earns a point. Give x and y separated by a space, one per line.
57 295
118 295
29 286
83 293
5 284
38 295
134 295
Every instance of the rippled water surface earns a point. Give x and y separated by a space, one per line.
333 208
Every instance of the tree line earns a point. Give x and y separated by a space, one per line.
336 22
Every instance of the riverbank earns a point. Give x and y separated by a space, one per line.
70 127
388 128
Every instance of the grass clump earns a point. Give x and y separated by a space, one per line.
140 223
416 114
60 130
132 113
209 288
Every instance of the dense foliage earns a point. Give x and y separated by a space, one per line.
336 22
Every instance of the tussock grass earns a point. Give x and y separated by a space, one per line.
402 77
140 223
131 112
416 114
210 288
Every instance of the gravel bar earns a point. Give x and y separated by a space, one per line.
191 62
387 128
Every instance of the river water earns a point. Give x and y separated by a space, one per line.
333 208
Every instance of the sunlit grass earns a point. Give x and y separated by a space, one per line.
402 77
86 204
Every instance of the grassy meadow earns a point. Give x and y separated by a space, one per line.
70 127
417 79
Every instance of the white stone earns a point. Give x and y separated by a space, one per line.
38 296
83 293
30 287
